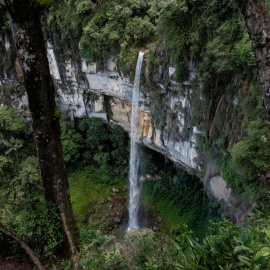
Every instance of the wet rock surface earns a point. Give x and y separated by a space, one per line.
110 211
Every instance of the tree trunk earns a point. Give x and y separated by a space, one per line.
257 20
28 250
32 54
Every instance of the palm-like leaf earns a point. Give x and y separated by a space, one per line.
29 174
13 145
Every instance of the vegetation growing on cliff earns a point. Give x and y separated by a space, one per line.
213 33
210 32
109 28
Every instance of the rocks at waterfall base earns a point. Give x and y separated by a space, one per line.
110 210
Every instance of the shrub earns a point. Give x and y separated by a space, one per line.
120 151
170 196
114 258
252 154
228 246
230 173
106 148
10 119
72 142
96 134
39 225
30 174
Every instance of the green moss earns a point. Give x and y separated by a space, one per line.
84 194
86 187
170 197
252 104
94 97
161 109
230 174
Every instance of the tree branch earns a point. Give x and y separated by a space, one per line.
28 250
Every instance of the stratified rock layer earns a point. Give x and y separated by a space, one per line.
164 125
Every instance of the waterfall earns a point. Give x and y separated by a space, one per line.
134 190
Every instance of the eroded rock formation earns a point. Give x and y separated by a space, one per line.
165 124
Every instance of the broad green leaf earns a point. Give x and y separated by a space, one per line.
193 265
267 231
243 259
263 252
240 248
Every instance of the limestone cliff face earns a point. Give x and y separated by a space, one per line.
164 123
108 94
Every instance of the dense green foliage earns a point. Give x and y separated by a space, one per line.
253 153
72 141
4 23
252 156
213 34
11 127
42 3
208 30
10 119
40 223
37 223
106 148
109 26
24 210
226 247
170 197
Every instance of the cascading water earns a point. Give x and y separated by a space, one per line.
134 190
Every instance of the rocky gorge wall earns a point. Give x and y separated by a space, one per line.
165 123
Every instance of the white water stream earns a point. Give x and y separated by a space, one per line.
134 190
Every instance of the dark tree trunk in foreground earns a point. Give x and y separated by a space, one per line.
31 50
28 250
257 20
